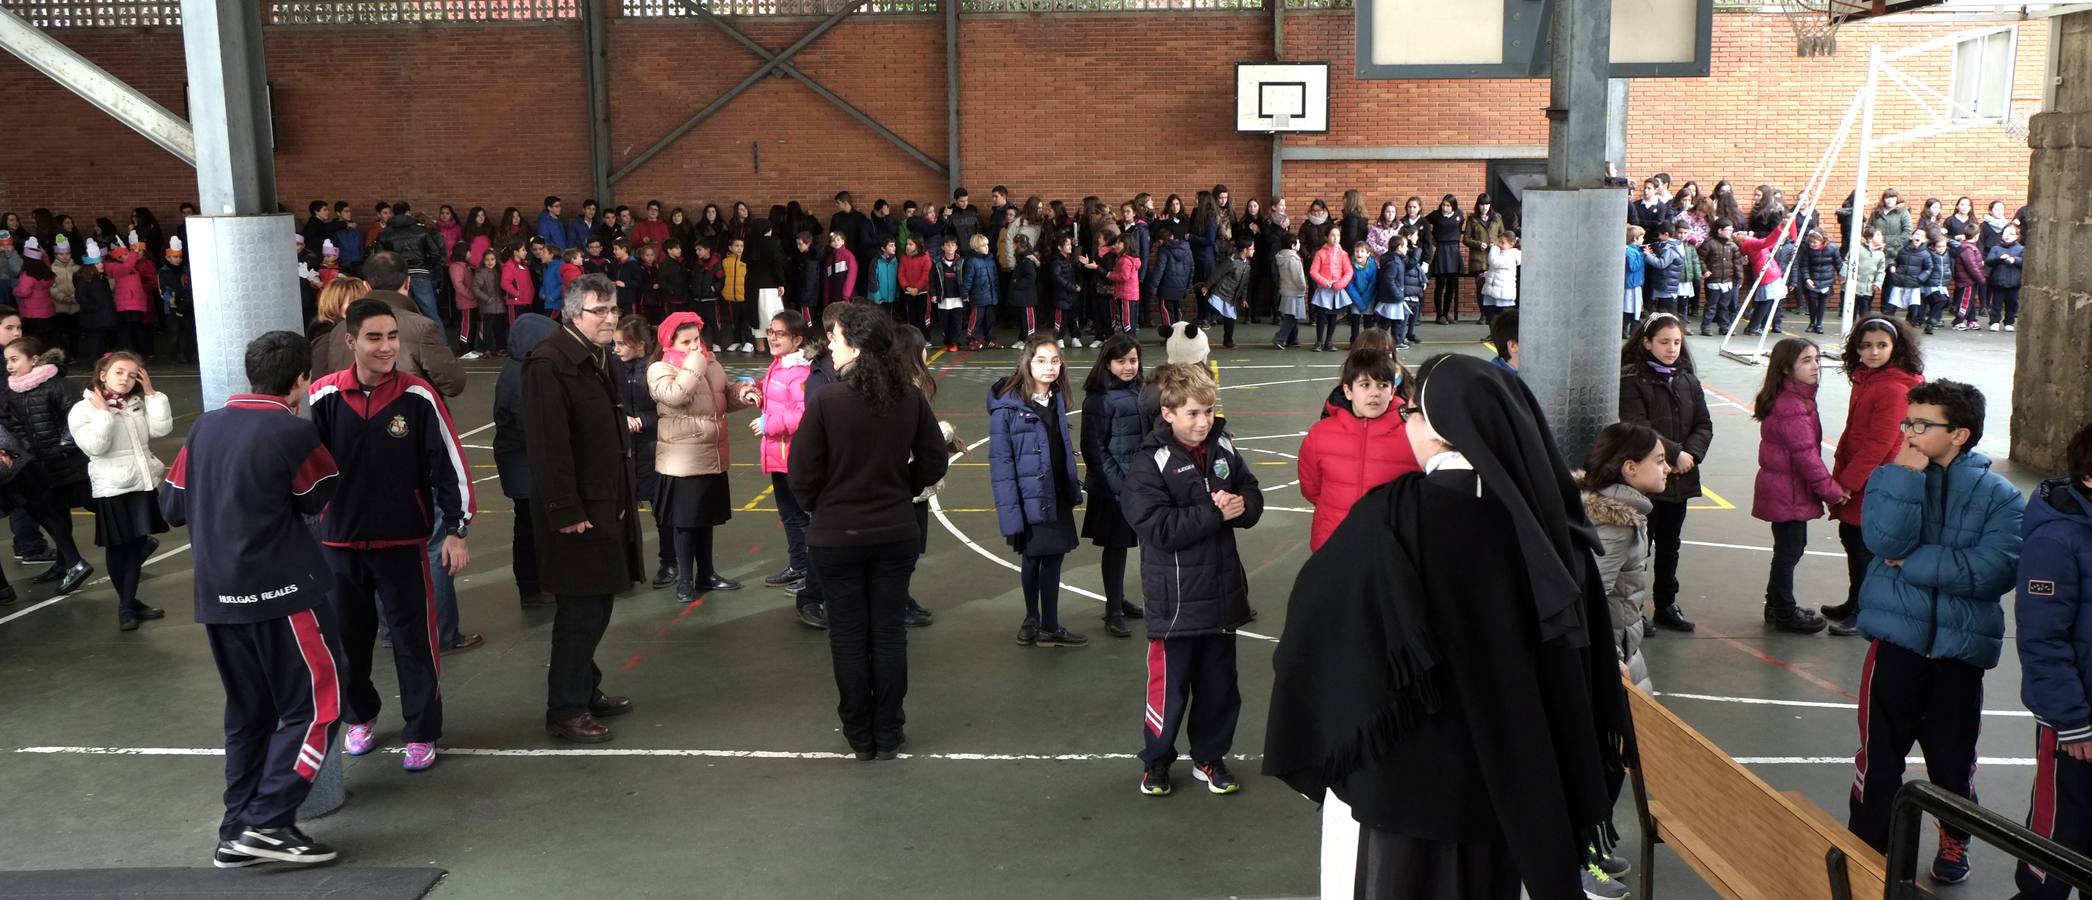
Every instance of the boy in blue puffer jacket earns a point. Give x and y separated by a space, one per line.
2055 658
1945 532
1185 494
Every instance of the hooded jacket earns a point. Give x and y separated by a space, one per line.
1345 456
1112 432
37 418
418 248
1191 574
979 280
1912 269
485 285
1169 270
511 460
1969 268
118 442
839 276
2004 261
693 401
1677 409
32 293
1819 266
1665 265
1957 531
1722 260
1873 432
1331 268
784 404
1364 283
1026 485
1621 515
1792 485
2054 632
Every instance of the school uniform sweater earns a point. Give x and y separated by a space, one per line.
245 478
400 459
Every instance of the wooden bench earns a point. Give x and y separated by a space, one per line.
1745 839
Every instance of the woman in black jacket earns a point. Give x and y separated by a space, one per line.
1354 224
1658 388
868 444
54 483
1441 243
1111 439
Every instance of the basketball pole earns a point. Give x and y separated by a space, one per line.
1862 207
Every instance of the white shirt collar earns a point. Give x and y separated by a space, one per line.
1447 459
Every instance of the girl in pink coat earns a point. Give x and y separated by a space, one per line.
783 403
1793 486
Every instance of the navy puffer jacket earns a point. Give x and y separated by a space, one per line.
511 461
1018 468
1191 575
1912 268
1820 266
2055 629
1111 436
1169 270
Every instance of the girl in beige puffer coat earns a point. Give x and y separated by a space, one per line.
1626 465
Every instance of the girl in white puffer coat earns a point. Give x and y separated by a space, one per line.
1626 465
114 425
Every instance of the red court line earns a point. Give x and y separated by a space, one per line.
1798 671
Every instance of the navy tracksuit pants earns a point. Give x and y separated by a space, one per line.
1906 698
1195 674
393 582
2061 810
282 707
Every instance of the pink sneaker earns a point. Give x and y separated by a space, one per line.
358 741
420 756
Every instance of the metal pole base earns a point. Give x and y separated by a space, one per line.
1569 317
243 272
329 790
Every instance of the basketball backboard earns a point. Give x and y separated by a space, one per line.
1401 39
1282 97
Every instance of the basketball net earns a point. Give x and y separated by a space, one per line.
1815 24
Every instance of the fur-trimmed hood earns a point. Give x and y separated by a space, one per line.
1617 505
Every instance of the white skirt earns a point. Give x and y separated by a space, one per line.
1631 302
1490 300
1331 298
1902 297
1392 311
1223 307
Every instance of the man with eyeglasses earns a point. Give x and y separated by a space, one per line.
583 488
1945 532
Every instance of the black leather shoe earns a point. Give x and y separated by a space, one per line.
74 577
608 705
916 617
788 576
1116 627
1673 618
1129 609
664 576
143 611
719 583
1836 612
126 622
812 615
49 575
1843 627
7 594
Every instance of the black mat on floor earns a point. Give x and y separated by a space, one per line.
263 882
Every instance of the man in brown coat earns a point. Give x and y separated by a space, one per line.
424 351
587 513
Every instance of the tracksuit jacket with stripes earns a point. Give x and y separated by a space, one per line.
392 435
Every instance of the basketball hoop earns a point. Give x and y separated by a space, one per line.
2015 122
1815 24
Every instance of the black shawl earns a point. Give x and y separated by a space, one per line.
1387 646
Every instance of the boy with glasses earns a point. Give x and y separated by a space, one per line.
1945 532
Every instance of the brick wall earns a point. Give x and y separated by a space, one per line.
1061 105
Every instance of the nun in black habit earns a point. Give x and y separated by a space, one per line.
1442 673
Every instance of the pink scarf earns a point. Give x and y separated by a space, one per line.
36 376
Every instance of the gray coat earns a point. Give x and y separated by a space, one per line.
1622 516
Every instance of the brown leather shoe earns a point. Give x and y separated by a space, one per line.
607 705
465 642
581 729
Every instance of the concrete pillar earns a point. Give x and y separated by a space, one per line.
1569 311
2052 387
1616 91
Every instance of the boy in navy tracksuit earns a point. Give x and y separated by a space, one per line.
244 479
399 458
2055 659
1185 494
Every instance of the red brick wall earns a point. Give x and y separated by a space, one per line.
1061 105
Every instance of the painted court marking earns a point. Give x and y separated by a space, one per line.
83 588
1813 704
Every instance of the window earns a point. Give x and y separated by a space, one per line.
98 13
1982 87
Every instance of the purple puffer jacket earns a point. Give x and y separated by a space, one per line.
1793 485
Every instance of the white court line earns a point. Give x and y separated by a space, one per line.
820 756
475 446
1814 704
1244 387
1270 437
1757 549
83 588
488 478
475 431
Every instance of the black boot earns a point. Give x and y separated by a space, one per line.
1673 618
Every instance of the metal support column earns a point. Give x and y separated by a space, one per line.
95 85
1571 319
1278 141
1616 98
229 107
596 80
951 92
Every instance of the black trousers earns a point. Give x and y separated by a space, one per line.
393 582
55 520
1395 866
1904 699
282 706
1790 540
693 557
28 539
1666 529
523 550
1813 301
1194 675
574 681
1857 559
866 590
2061 810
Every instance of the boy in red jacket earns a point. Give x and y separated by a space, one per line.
1358 446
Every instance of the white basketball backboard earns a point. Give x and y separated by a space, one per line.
1282 97
1401 39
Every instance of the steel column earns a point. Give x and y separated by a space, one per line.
229 107
95 85
595 43
1616 96
1278 141
951 92
763 54
1576 110
774 62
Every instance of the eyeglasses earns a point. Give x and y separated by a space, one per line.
599 310
1410 412
778 333
1920 426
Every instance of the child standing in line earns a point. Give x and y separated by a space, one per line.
1358 444
1637 266
1292 291
114 425
460 271
1816 265
1111 437
1763 252
1883 362
672 281
1330 271
2055 658
1023 277
1659 388
1228 293
1169 274
913 275
635 347
1500 280
1392 281
1868 266
1125 286
803 281
550 288
1942 279
1064 279
1908 277
1945 532
1664 259
733 293
705 274
982 290
1186 494
2005 277
948 274
1626 465
1031 466
1365 272
515 283
783 401
1792 485
1971 280
1722 259
693 398
484 292
886 279
839 272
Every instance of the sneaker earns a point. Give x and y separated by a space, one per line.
813 615
1060 637
1951 866
715 348
41 556
1078 342
358 740
1609 863
1600 886
1996 327
788 575
472 355
283 845
1155 781
226 857
2008 328
1062 343
1028 633
1216 776
420 756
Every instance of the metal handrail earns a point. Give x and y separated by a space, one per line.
1917 798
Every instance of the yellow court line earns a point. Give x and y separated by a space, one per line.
933 357
758 499
1720 502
